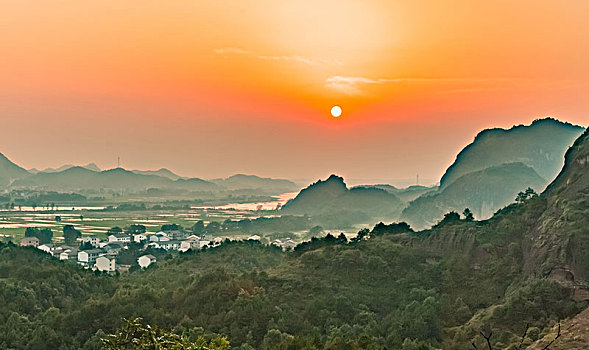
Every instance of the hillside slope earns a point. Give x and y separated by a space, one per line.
406 195
331 197
253 182
483 192
89 166
9 171
540 146
163 172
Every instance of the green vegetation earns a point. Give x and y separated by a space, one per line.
488 173
483 192
43 234
70 234
136 335
540 146
331 203
328 293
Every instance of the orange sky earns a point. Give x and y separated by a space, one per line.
213 87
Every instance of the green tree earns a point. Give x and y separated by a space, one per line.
70 234
171 227
43 234
136 335
468 215
525 195
135 229
114 230
361 234
213 227
198 228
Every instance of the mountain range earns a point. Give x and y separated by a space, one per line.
461 284
242 181
89 166
486 176
90 177
488 173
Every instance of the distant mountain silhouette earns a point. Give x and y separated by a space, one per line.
253 182
483 192
540 146
89 166
9 171
332 197
71 178
163 172
81 178
405 194
488 173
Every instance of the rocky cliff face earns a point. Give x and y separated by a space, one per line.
561 234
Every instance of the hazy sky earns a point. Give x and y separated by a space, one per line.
209 88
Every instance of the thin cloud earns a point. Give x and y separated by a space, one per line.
352 85
231 50
299 59
294 59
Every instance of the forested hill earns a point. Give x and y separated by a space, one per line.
398 289
9 171
540 146
488 173
78 178
483 192
331 199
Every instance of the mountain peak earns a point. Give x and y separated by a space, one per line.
9 171
540 145
335 178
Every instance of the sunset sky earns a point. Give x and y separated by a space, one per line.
210 88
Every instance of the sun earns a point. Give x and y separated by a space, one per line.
336 111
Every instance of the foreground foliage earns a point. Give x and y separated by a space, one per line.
134 334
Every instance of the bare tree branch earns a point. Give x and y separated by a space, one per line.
487 338
555 338
523 336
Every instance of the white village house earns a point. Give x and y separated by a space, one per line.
106 263
92 239
51 248
69 253
119 238
167 245
88 257
145 260
140 237
193 243
159 237
29 242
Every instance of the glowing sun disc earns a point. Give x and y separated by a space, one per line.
336 111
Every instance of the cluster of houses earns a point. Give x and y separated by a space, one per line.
96 254
102 255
